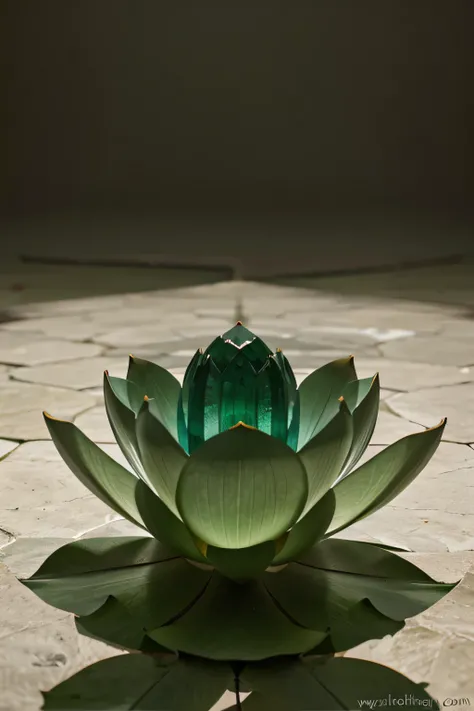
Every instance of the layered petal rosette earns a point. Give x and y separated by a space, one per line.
241 478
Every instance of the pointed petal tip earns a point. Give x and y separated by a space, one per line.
47 416
242 424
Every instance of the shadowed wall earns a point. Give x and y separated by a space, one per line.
324 109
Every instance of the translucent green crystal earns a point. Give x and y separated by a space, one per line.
238 378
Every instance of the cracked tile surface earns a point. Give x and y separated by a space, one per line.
52 357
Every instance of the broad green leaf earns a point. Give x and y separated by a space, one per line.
360 623
286 686
153 587
350 680
324 455
232 621
319 396
316 597
241 563
161 387
101 554
164 525
117 393
241 488
309 530
331 684
363 399
383 477
101 474
142 682
162 457
362 558
113 625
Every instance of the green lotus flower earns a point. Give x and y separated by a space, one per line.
240 477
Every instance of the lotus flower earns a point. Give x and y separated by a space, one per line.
241 477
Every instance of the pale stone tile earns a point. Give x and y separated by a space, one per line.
7 446
434 513
39 646
432 349
74 374
390 428
456 402
407 376
25 349
22 405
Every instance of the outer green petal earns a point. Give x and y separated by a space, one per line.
113 624
164 525
162 457
139 573
138 681
324 455
126 391
101 474
363 399
383 477
117 393
323 599
319 396
362 558
241 488
309 530
160 386
232 621
360 623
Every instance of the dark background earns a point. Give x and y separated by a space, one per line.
295 135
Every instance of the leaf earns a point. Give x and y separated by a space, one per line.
241 488
325 453
162 457
101 474
117 393
241 563
362 558
113 625
138 573
232 621
141 682
317 597
332 685
383 477
160 386
287 686
319 396
363 399
360 623
350 680
164 525
310 529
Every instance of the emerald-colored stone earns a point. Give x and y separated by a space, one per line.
238 378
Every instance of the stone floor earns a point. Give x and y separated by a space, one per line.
416 328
